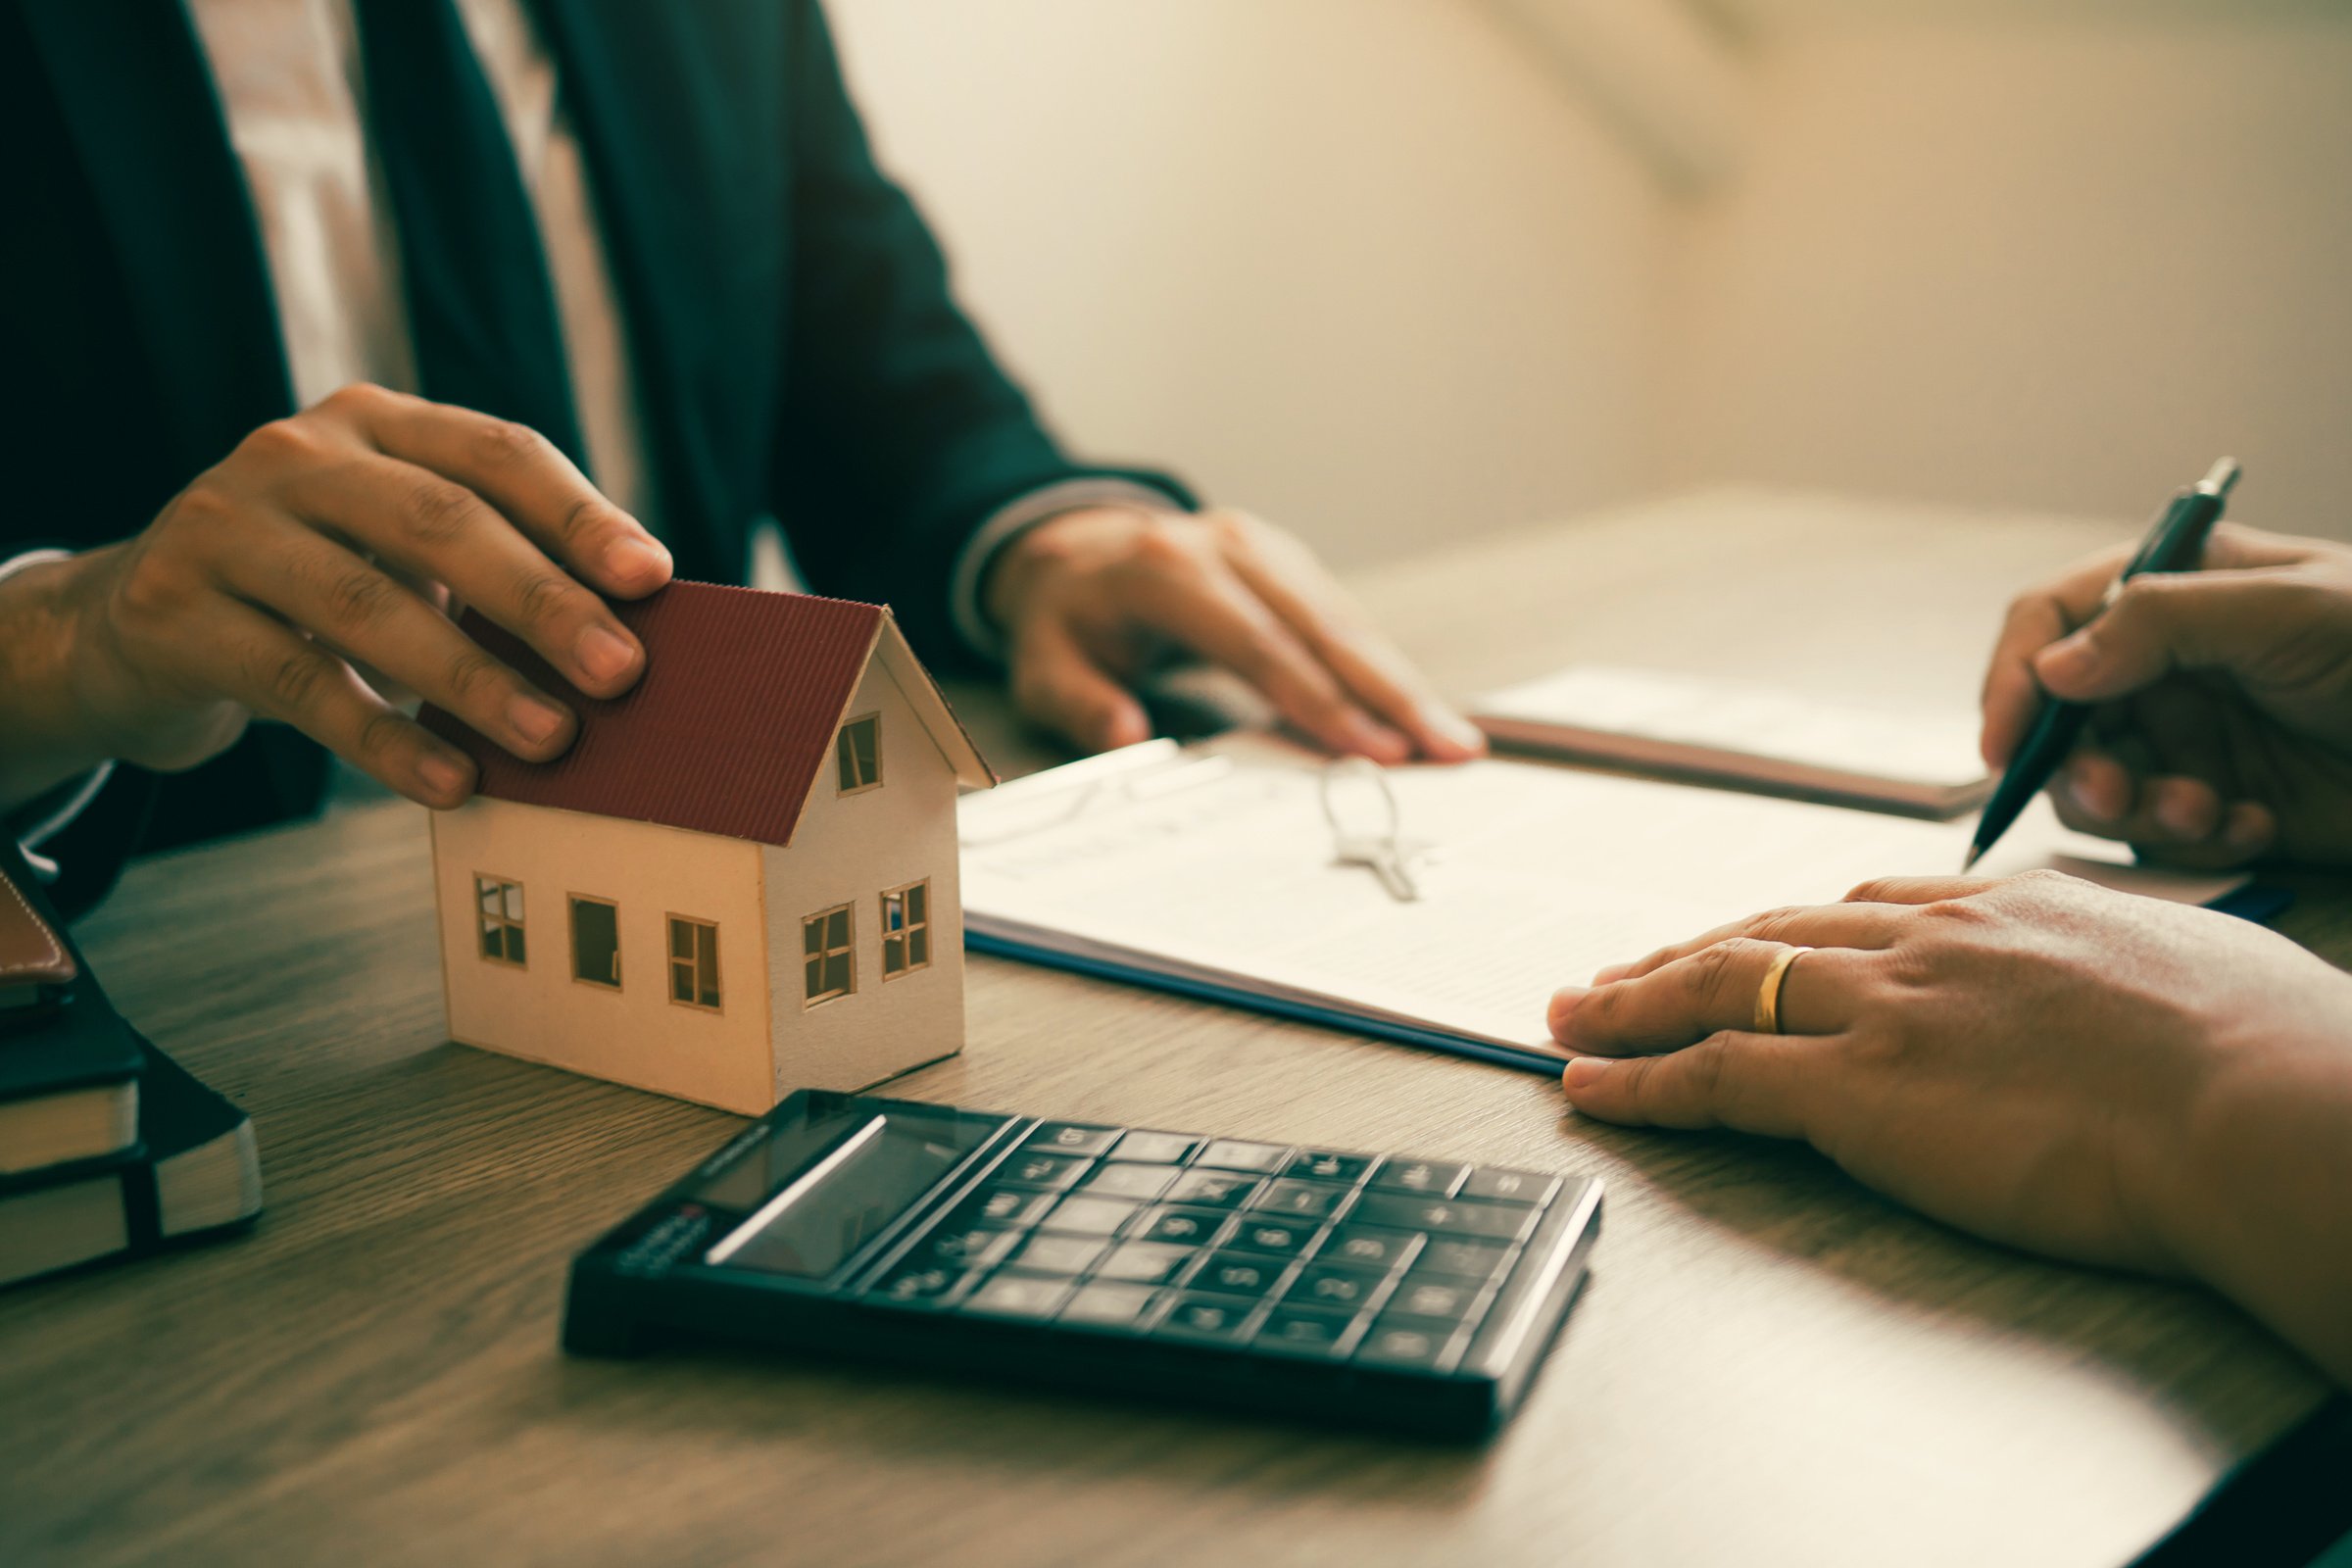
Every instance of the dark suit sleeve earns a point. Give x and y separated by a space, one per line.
899 434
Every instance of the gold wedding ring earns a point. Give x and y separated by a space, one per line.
1767 995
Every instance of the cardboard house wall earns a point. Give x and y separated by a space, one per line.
765 1037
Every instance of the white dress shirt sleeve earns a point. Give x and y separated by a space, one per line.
77 799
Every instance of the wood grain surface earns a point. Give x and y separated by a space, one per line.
1770 1365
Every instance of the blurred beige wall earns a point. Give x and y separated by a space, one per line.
2017 261
1384 271
1360 264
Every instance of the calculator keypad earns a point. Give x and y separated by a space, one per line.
1217 1241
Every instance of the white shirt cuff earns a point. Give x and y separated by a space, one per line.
1017 517
79 802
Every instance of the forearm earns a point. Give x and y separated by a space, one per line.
44 738
2263 1205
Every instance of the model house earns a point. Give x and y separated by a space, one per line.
741 878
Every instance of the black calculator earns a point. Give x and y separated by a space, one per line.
1413 1295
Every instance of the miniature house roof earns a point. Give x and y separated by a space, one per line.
732 722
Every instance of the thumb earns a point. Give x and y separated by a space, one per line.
2161 622
1058 685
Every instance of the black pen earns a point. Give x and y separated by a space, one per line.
2174 543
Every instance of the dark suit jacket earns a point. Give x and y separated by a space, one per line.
787 310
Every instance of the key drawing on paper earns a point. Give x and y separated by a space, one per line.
1534 876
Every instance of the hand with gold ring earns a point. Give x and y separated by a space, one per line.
2105 1078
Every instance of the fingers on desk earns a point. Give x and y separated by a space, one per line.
1715 989
1821 926
1749 1082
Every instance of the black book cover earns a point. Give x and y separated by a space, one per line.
179 1114
195 1171
81 1045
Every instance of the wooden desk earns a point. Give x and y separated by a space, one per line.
1770 1367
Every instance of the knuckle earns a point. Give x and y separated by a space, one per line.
1703 1072
541 598
2028 607
384 738
1772 924
356 397
472 673
505 443
1230 530
154 591
290 682
435 511
588 517
359 597
202 508
2151 597
1713 967
280 441
1873 890
1169 544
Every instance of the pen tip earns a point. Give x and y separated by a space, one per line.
1975 852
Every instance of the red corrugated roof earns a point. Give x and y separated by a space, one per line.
723 733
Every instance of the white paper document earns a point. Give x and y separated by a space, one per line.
1215 864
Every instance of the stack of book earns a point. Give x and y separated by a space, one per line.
107 1148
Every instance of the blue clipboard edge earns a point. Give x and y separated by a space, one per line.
2253 902
1537 1061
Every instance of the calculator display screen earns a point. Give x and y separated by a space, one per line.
818 1191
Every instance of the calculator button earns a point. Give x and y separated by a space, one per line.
1274 1233
1313 1200
1370 1246
1428 1177
1145 1263
1186 1226
1463 1259
967 1246
1071 1138
1515 1186
1435 1295
1238 1274
1110 1305
1305 1330
1499 1221
1038 1168
1212 1319
1130 1181
1213 1188
1408 1342
1329 1167
1231 1153
910 1282
1089 1216
1018 1295
1335 1286
1058 1255
1156 1149
1009 1205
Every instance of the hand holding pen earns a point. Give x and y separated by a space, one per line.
2213 708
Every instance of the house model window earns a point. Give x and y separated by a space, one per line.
498 907
858 754
828 956
906 929
693 962
596 941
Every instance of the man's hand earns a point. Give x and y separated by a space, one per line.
2102 1077
328 545
2224 730
1092 600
